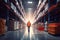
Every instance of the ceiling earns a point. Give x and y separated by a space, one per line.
32 5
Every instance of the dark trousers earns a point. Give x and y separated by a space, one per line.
28 29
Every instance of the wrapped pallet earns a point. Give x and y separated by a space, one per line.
54 28
2 26
16 25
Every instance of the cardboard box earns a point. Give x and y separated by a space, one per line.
54 28
2 26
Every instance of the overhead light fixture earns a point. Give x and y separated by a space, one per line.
30 2
17 3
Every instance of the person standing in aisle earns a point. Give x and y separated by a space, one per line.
28 25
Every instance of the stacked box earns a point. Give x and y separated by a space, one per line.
40 27
54 28
13 25
2 26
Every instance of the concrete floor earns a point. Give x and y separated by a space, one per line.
19 35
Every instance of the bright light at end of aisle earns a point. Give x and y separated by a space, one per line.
29 2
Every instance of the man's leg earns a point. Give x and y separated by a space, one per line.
28 29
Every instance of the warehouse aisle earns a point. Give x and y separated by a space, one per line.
29 19
20 35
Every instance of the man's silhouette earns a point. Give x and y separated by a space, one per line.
28 25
